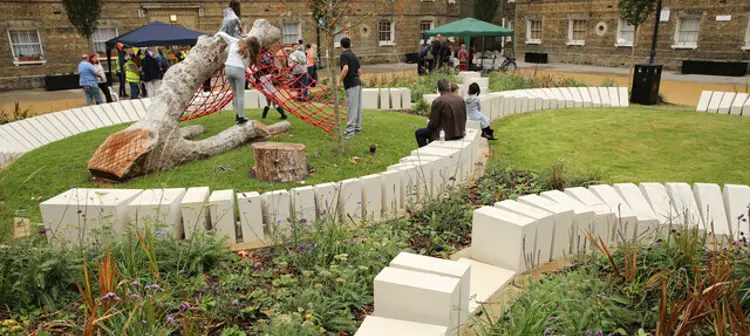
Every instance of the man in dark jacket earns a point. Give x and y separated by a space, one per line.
151 74
448 114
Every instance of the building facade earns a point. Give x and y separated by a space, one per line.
37 39
591 32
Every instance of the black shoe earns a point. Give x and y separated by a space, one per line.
265 112
242 120
281 111
490 137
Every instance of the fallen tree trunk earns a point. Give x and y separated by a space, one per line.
156 142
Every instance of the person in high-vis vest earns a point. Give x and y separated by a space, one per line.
132 76
121 77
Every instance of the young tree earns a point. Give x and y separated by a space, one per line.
84 14
635 13
486 10
328 16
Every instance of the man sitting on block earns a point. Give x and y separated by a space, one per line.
448 114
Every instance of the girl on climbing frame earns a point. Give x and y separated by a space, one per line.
231 23
242 52
264 72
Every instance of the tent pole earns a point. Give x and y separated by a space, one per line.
109 66
467 41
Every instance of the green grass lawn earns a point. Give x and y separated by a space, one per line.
636 144
54 168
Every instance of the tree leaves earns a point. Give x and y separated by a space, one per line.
83 14
635 12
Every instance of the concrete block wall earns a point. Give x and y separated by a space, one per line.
724 103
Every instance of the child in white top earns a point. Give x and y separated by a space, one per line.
240 54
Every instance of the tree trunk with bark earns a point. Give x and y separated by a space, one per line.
280 161
156 142
632 56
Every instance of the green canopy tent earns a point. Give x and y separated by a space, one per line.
470 27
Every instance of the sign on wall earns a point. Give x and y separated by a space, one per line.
723 18
664 17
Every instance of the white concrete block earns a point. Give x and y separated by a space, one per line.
605 219
370 98
502 238
736 201
596 100
372 197
536 98
43 125
406 98
410 183
158 207
385 99
576 94
145 101
726 102
614 97
429 98
78 215
21 135
221 205
665 210
442 267
626 222
13 140
543 101
83 119
250 205
133 109
106 112
427 175
569 102
277 212
90 114
391 192
75 120
417 297
377 326
195 211
327 199
303 204
713 104
584 217
624 96
467 76
118 114
553 98
746 109
564 218
739 102
647 219
682 197
486 281
55 124
466 158
350 200
63 120
481 81
33 130
252 99
451 154
709 199
604 95
395 98
704 100
522 102
545 231
473 124
585 96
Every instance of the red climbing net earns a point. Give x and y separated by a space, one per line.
274 77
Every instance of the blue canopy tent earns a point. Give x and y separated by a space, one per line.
151 35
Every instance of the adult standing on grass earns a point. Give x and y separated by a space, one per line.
151 74
241 53
103 80
132 76
88 80
298 62
350 72
312 64
448 114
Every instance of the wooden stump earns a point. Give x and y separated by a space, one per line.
279 161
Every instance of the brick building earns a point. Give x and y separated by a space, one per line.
37 38
591 32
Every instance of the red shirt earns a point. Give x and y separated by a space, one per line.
463 55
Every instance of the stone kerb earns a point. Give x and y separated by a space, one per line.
724 103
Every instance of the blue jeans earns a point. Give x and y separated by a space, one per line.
301 81
312 71
423 136
93 94
134 88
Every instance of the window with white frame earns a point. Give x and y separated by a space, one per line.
100 37
747 36
292 33
625 34
576 32
25 44
534 31
687 33
424 26
339 33
386 33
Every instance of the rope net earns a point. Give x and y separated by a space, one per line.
274 77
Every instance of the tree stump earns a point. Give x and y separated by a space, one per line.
279 161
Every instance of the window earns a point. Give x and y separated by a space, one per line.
533 31
576 32
386 33
625 34
25 43
747 37
687 33
425 25
101 36
339 34
292 33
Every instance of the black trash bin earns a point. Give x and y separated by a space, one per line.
646 81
